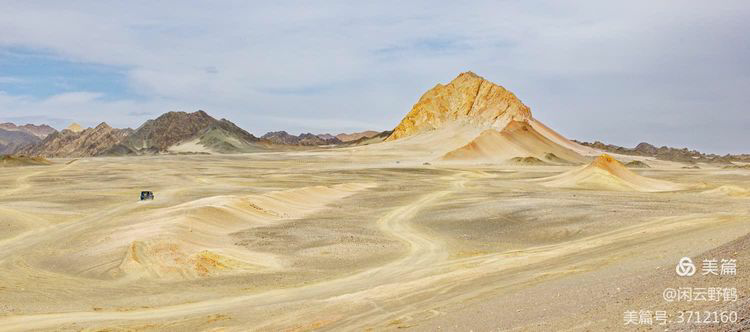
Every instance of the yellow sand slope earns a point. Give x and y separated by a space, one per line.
517 139
561 140
606 173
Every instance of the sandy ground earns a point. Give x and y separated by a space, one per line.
347 240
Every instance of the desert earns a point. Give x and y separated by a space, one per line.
470 215
325 244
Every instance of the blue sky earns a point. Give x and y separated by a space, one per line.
39 74
669 72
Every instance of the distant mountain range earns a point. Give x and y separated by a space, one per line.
667 153
172 132
13 137
72 144
11 140
305 139
198 132
470 118
308 139
38 131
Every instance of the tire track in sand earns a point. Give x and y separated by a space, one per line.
418 281
423 251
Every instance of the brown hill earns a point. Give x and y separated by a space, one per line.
517 139
190 132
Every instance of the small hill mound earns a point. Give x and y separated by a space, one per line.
527 161
637 164
517 139
606 173
14 161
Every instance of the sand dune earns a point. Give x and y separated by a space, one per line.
517 139
429 145
191 240
418 252
606 173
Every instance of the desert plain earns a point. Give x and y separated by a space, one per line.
355 238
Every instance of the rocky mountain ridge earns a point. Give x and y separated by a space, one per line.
11 140
304 139
71 144
40 131
469 99
667 153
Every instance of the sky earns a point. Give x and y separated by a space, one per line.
673 73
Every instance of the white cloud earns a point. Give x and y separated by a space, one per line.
78 98
367 63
